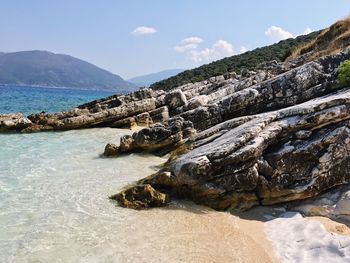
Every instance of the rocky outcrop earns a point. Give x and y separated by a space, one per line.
10 122
205 103
161 138
140 197
277 134
144 107
274 157
286 138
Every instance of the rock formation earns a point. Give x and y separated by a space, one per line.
281 139
277 134
16 121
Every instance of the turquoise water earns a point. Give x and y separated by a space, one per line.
54 204
29 100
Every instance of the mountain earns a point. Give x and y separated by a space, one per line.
42 68
248 60
147 80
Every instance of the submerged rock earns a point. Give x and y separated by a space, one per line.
111 150
140 197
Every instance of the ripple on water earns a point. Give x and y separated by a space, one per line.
54 207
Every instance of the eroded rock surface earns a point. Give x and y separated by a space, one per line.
277 134
286 138
263 160
140 197
11 122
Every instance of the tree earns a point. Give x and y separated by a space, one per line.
344 74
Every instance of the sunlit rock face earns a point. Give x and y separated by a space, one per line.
282 139
277 134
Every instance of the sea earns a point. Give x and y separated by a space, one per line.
28 99
54 204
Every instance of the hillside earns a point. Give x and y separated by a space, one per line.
249 60
147 80
42 68
330 41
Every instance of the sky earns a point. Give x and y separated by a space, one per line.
134 37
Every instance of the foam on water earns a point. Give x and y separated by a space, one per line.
54 207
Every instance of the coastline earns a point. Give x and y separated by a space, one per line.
74 220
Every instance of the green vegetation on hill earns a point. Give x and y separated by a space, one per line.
332 40
249 60
344 74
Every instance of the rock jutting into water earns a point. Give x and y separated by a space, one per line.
14 121
277 134
280 139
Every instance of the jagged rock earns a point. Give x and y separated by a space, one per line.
163 137
111 150
261 162
175 99
15 121
303 134
204 103
160 115
144 119
276 134
140 197
126 144
37 128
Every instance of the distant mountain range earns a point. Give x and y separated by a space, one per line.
147 80
42 68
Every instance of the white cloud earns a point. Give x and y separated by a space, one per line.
143 30
307 31
275 34
189 43
219 50
243 49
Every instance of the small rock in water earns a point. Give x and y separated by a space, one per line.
111 150
141 197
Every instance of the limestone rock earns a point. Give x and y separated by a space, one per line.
144 119
163 137
276 134
17 121
261 162
111 150
140 197
160 114
175 99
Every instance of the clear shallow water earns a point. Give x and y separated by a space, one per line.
54 204
54 207
27 99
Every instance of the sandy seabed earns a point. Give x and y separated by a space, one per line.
54 207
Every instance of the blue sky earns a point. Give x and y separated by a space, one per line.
136 37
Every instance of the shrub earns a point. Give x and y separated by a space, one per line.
344 74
